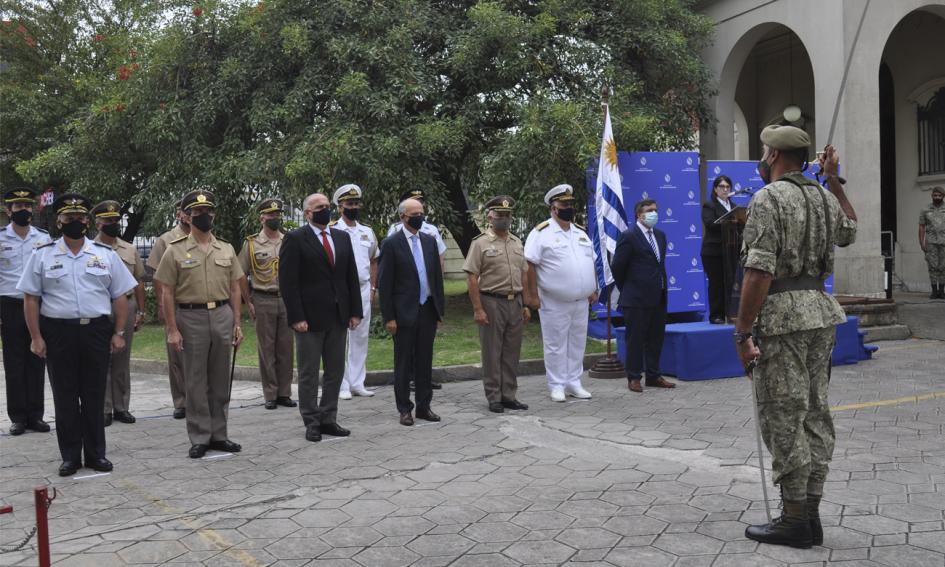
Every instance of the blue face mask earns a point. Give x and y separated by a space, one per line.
650 218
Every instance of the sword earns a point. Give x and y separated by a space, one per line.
232 370
761 455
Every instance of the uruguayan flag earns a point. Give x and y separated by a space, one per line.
608 203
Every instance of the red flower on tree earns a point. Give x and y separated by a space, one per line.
99 37
198 11
119 107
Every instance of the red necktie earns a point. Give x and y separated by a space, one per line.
327 245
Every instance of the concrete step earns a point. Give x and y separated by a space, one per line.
886 333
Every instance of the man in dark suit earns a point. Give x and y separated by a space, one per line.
639 269
410 286
318 280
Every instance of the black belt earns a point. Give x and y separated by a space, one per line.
799 283
8 299
269 293
507 296
211 305
83 321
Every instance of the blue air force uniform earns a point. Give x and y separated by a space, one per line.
76 292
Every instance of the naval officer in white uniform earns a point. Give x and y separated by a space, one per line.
562 279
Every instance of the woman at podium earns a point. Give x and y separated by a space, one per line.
720 273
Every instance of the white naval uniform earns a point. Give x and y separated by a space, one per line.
365 249
14 252
564 266
425 228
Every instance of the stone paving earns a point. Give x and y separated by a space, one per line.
668 478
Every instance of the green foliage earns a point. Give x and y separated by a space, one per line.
286 97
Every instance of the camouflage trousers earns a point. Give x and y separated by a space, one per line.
935 258
791 383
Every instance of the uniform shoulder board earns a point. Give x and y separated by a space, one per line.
50 243
481 234
179 239
333 223
41 230
579 226
101 244
543 225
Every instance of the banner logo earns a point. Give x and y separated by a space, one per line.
666 178
642 160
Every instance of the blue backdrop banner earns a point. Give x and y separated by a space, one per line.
672 180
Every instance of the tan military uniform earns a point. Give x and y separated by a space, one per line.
118 380
175 372
201 283
259 260
499 264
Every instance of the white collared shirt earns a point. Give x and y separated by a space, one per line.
564 261
76 286
726 204
14 252
365 246
318 236
425 228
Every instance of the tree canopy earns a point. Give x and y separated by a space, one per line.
464 99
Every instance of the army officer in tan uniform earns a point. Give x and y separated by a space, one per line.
200 279
107 215
259 260
496 268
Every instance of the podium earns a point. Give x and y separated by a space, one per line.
733 225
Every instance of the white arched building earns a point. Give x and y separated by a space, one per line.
769 55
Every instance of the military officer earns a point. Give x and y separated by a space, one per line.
200 278
107 215
71 288
175 371
348 199
562 283
788 252
25 372
932 242
496 270
433 231
259 260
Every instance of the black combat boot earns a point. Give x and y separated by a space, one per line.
813 514
792 528
941 291
934 294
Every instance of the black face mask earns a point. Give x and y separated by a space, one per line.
74 230
273 224
937 202
321 217
203 222
351 214
111 230
22 217
764 171
567 215
415 222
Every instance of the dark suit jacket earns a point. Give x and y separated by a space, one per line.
311 289
712 237
398 284
639 276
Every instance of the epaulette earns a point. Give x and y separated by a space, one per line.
102 245
44 231
181 239
579 226
481 234
250 237
333 223
50 243
543 225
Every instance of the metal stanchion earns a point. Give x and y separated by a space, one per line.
42 501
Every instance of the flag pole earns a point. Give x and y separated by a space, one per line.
608 366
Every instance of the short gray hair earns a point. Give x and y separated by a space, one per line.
402 208
308 200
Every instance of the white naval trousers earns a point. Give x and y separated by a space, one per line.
356 368
564 334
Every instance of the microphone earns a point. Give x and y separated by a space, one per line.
743 191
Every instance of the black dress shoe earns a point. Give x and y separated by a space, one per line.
427 415
108 419
436 386
180 413
406 418
717 321
68 468
516 405
313 434
333 429
18 428
226 446
38 425
286 401
197 451
100 464
124 417
496 407
271 404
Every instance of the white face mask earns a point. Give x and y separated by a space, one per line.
650 219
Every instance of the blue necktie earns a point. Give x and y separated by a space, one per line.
656 250
421 268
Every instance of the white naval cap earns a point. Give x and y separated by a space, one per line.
346 193
563 192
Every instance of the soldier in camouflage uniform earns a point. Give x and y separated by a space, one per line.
932 241
788 252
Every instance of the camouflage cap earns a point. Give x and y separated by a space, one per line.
938 190
785 138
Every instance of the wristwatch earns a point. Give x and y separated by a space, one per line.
741 337
120 333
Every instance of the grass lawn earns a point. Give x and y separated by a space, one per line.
457 341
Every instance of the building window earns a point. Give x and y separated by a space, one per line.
931 122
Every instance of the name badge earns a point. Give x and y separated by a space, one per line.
364 237
189 263
492 252
96 262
